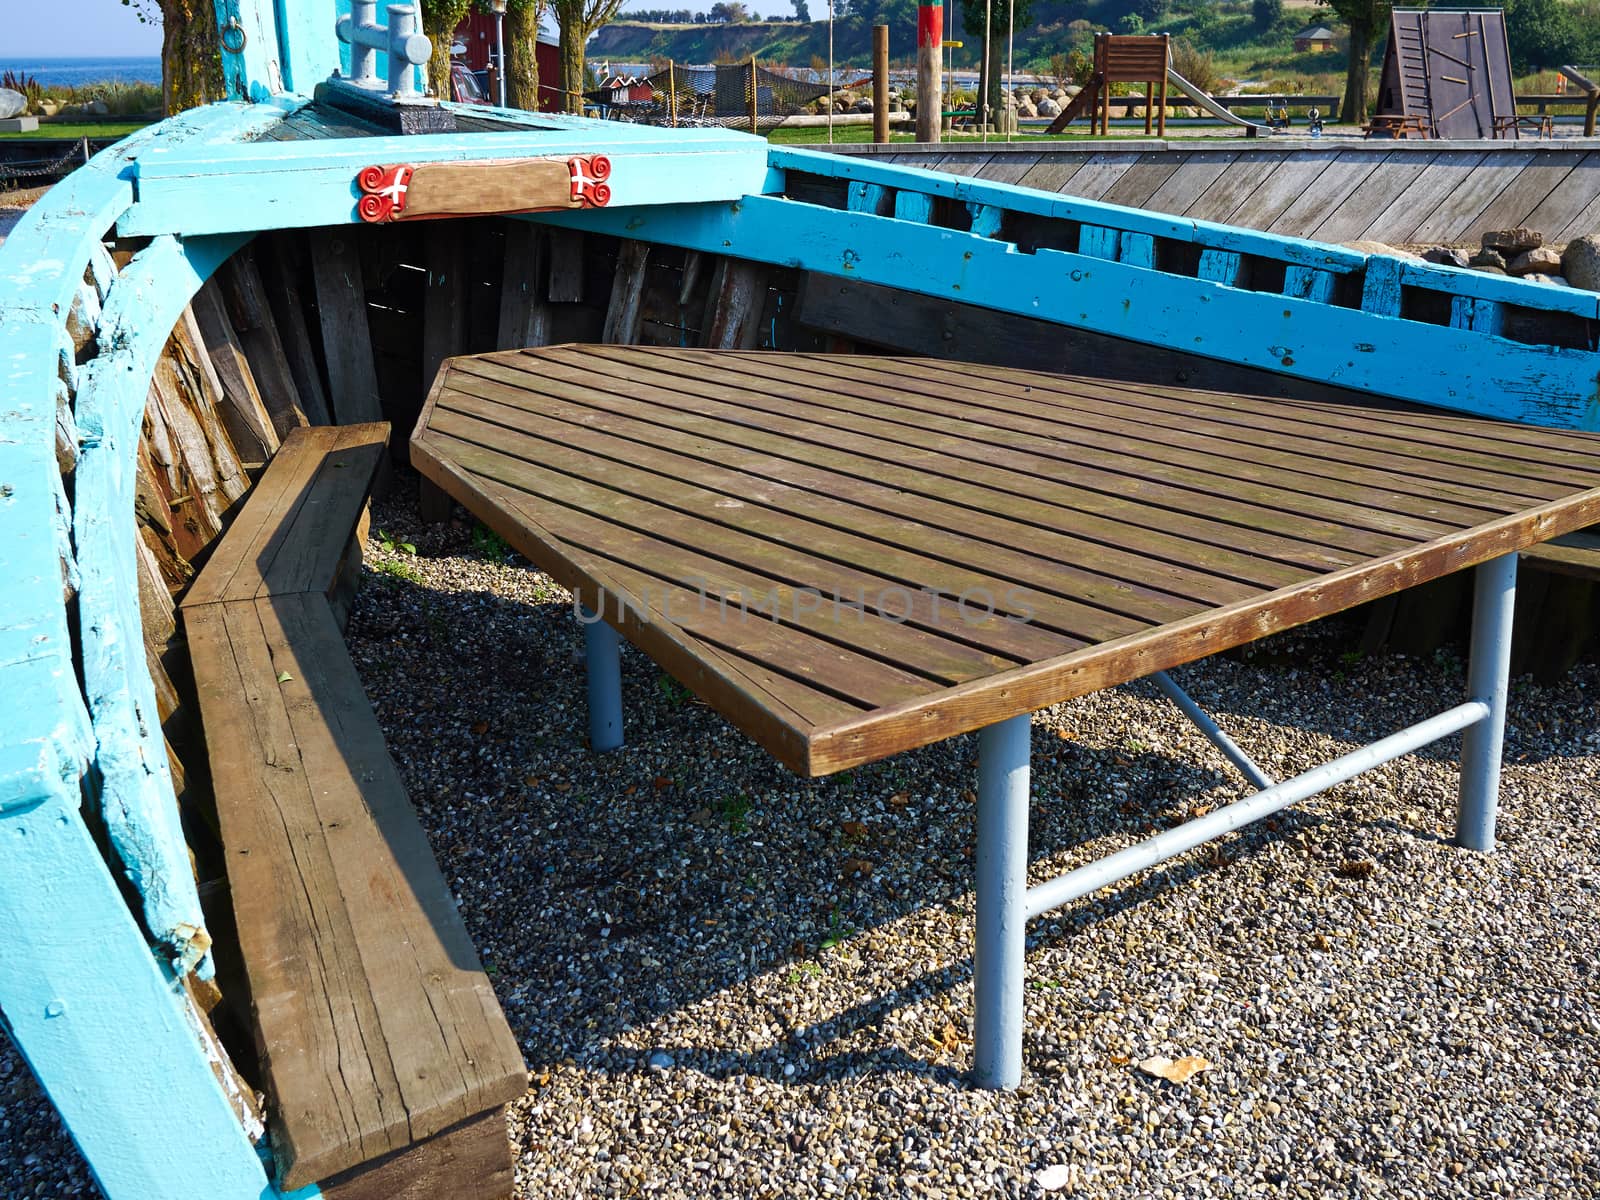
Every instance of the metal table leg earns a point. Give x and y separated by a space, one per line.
1002 884
1488 674
603 659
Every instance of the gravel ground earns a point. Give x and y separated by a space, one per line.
732 982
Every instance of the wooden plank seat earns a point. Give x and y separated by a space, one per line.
386 1056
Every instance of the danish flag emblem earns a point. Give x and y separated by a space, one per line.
589 186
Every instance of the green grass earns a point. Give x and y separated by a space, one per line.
78 129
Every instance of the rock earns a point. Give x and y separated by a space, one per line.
1446 256
49 107
1038 94
1488 258
1026 109
1069 91
1058 94
99 108
1366 247
1551 280
1541 260
12 104
1049 108
1511 242
863 106
1488 269
1581 263
660 1060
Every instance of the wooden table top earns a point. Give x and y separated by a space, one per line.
849 556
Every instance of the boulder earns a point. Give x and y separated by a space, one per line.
1058 94
1581 263
863 106
1069 91
1446 256
1552 280
12 104
98 108
1512 242
1049 108
1038 94
1365 247
1026 110
1541 260
1488 258
1487 269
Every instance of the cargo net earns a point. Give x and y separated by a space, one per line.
711 97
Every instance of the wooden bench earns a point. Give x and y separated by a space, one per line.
386 1058
1396 125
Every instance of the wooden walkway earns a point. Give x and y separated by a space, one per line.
850 556
1389 192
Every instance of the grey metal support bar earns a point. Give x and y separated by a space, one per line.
602 651
1002 884
1203 722
1488 677
1074 884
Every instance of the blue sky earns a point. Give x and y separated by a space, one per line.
76 29
99 28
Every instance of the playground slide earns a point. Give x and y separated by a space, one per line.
1211 106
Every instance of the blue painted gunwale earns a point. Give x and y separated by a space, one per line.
99 1018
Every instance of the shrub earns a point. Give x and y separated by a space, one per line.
1198 66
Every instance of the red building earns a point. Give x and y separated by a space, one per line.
476 33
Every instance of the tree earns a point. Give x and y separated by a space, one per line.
439 21
730 12
522 64
802 11
577 20
1364 18
995 14
1544 33
191 58
1266 13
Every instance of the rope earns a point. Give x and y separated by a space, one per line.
983 77
831 81
1011 75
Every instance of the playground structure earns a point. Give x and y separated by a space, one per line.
1447 74
1122 58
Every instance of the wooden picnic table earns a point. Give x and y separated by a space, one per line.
850 556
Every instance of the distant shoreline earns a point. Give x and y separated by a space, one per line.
75 72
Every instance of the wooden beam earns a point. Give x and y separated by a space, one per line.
626 308
524 312
346 336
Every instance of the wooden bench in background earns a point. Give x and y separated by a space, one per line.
385 1055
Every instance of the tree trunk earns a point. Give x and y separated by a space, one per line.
522 66
993 96
1354 109
572 39
191 58
439 63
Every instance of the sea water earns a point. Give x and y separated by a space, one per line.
74 72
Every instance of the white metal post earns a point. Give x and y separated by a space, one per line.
1488 677
1002 884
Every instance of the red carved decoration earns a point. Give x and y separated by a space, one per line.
589 186
383 192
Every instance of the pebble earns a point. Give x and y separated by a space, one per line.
1430 1024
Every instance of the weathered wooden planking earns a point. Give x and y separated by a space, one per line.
812 472
1099 174
625 310
1490 180
525 316
1142 179
249 425
1007 168
1233 186
469 1161
1520 198
257 331
1189 182
1410 208
283 270
1333 188
378 1026
1567 200
292 530
346 336
1290 180
1354 216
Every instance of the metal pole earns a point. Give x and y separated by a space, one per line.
1002 885
988 69
500 53
1114 867
753 93
1488 675
830 72
880 83
1010 82
930 44
1203 722
672 91
603 658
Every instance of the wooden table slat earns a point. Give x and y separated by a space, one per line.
1148 526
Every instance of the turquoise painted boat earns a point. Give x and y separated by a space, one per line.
181 303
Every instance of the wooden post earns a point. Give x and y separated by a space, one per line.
1161 121
880 83
1588 114
930 98
754 93
672 91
